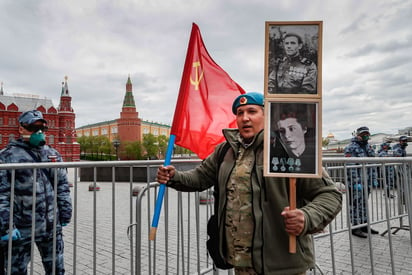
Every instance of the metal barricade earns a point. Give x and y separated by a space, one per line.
110 227
377 254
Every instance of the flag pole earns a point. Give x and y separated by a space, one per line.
162 189
292 206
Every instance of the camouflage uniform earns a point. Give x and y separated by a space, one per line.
389 169
20 152
239 220
296 75
398 150
357 200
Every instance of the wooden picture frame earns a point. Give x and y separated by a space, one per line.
293 59
293 138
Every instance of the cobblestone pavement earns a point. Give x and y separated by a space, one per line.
104 261
82 259
362 256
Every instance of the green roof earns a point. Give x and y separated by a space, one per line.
115 120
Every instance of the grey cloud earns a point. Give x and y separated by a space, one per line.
386 47
366 53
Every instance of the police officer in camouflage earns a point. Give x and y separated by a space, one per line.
293 74
399 149
359 147
389 169
31 147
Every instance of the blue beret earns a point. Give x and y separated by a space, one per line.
251 98
30 117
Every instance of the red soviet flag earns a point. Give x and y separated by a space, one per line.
204 104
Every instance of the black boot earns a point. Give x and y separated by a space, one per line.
359 233
365 230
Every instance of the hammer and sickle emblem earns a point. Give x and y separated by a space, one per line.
198 78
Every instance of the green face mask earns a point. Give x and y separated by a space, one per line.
365 138
37 139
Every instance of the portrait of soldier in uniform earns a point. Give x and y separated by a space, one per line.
292 64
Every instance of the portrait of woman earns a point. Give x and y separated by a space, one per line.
293 138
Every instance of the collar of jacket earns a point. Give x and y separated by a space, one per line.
232 137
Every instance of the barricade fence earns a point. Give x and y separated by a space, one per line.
109 231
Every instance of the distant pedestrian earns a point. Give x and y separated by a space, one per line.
356 183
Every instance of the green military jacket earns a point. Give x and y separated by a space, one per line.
318 198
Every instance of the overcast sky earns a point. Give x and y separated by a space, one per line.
367 50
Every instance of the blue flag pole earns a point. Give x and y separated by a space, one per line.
162 189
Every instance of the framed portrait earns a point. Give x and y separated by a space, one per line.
293 143
293 59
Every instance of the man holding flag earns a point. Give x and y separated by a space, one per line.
253 215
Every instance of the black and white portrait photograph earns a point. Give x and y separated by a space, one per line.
293 58
293 138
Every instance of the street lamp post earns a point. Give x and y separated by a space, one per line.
116 144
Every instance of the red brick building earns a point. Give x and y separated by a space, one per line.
129 127
61 121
